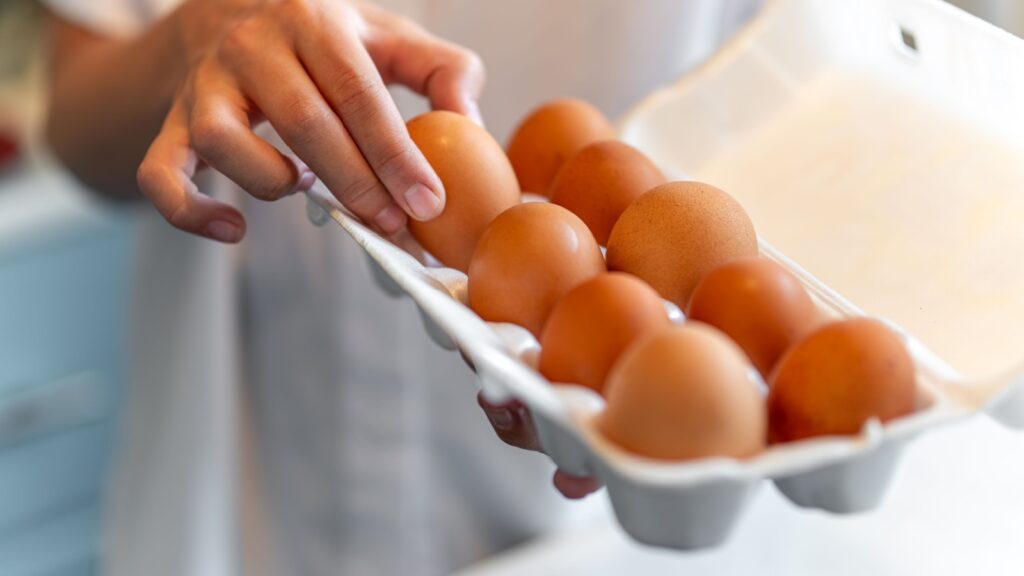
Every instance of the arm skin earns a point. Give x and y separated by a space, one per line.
108 102
110 96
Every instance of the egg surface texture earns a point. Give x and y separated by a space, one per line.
478 180
593 324
528 258
757 303
549 136
684 393
600 181
675 234
839 377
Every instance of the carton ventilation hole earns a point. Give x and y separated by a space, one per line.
909 40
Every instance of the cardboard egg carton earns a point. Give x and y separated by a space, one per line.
878 148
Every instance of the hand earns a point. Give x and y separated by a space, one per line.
514 425
316 70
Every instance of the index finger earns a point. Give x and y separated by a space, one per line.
348 78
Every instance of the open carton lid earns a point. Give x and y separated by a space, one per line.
879 145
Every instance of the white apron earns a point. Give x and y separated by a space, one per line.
285 416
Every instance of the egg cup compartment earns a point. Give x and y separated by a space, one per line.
823 90
853 486
703 516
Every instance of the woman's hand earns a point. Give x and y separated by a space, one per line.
316 70
514 425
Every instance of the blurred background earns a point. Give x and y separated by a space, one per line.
65 264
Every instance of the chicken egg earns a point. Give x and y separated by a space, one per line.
757 303
673 235
528 258
600 181
549 136
593 324
478 180
683 393
837 378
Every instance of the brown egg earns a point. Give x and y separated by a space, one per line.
757 303
600 181
684 393
593 324
838 378
529 257
549 136
478 180
675 234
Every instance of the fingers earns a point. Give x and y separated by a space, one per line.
221 135
575 487
512 423
514 426
276 81
450 76
348 79
165 177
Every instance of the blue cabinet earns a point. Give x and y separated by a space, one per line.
64 304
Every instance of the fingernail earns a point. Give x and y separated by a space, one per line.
306 181
390 219
473 111
423 203
502 420
224 231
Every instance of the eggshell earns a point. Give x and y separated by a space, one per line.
478 180
549 136
838 378
600 181
684 393
593 324
675 234
528 258
757 303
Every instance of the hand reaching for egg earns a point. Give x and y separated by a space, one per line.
317 72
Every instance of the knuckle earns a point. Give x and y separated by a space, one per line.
395 159
469 61
273 186
211 135
181 217
149 176
242 39
300 15
303 119
357 92
298 7
364 196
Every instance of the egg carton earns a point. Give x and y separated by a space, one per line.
848 130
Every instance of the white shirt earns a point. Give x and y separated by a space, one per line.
280 356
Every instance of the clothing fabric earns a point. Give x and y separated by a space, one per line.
285 416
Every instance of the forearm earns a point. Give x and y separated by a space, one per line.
108 100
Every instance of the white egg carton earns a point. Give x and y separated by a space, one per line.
879 143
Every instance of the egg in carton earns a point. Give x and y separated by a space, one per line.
878 144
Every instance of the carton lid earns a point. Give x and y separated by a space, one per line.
879 145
